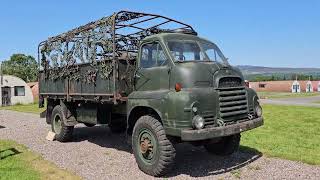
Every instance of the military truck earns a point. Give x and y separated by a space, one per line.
151 77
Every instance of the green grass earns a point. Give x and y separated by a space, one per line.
275 95
29 108
17 162
290 132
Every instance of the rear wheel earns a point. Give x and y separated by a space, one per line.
226 146
63 132
153 151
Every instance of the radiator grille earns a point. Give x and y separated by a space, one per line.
233 104
227 82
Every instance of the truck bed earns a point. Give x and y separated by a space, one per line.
86 83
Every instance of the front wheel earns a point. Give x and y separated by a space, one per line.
226 146
153 151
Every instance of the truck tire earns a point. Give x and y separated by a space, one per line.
153 151
226 146
63 132
89 125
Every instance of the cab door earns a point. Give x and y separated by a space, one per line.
153 68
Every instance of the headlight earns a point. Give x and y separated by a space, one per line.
198 122
194 109
258 111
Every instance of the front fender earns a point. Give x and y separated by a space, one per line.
151 99
169 105
252 99
174 108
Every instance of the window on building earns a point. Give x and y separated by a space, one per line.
19 91
309 87
262 85
296 87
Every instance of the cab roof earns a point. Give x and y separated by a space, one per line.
168 35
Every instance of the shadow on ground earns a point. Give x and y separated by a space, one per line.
8 153
196 162
190 160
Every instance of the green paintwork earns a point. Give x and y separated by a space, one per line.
155 88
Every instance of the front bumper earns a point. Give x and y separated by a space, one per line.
209 133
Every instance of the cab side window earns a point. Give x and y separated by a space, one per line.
152 56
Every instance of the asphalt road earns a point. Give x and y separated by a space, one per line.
298 101
96 153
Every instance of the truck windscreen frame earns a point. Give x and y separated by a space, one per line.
195 50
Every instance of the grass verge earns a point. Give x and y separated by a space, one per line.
18 162
290 132
29 108
276 95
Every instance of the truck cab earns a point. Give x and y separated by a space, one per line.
190 84
185 84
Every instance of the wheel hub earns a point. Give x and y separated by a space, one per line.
57 124
146 146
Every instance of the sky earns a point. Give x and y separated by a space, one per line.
264 33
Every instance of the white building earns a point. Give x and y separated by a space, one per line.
14 91
295 88
309 87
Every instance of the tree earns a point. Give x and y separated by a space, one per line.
273 78
22 66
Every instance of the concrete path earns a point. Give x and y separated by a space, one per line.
298 101
95 153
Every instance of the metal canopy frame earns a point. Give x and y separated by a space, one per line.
115 35
119 21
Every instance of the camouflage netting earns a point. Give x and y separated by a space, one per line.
100 43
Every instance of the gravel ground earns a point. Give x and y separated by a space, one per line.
96 153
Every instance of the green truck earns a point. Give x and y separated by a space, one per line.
151 77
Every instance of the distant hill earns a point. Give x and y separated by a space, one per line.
260 73
250 70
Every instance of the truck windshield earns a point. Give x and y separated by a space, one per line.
190 50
